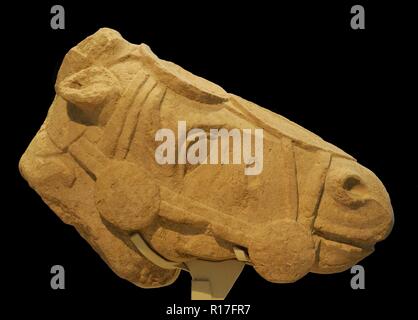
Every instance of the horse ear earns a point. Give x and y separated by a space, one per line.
89 89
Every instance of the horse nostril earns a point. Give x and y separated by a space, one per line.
350 183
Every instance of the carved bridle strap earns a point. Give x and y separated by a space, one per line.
163 263
114 126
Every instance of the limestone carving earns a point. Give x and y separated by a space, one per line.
312 208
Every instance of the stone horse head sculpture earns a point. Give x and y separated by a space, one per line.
312 207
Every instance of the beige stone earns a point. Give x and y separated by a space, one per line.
313 208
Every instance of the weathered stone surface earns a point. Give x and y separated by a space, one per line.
313 208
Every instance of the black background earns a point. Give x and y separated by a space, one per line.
299 59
